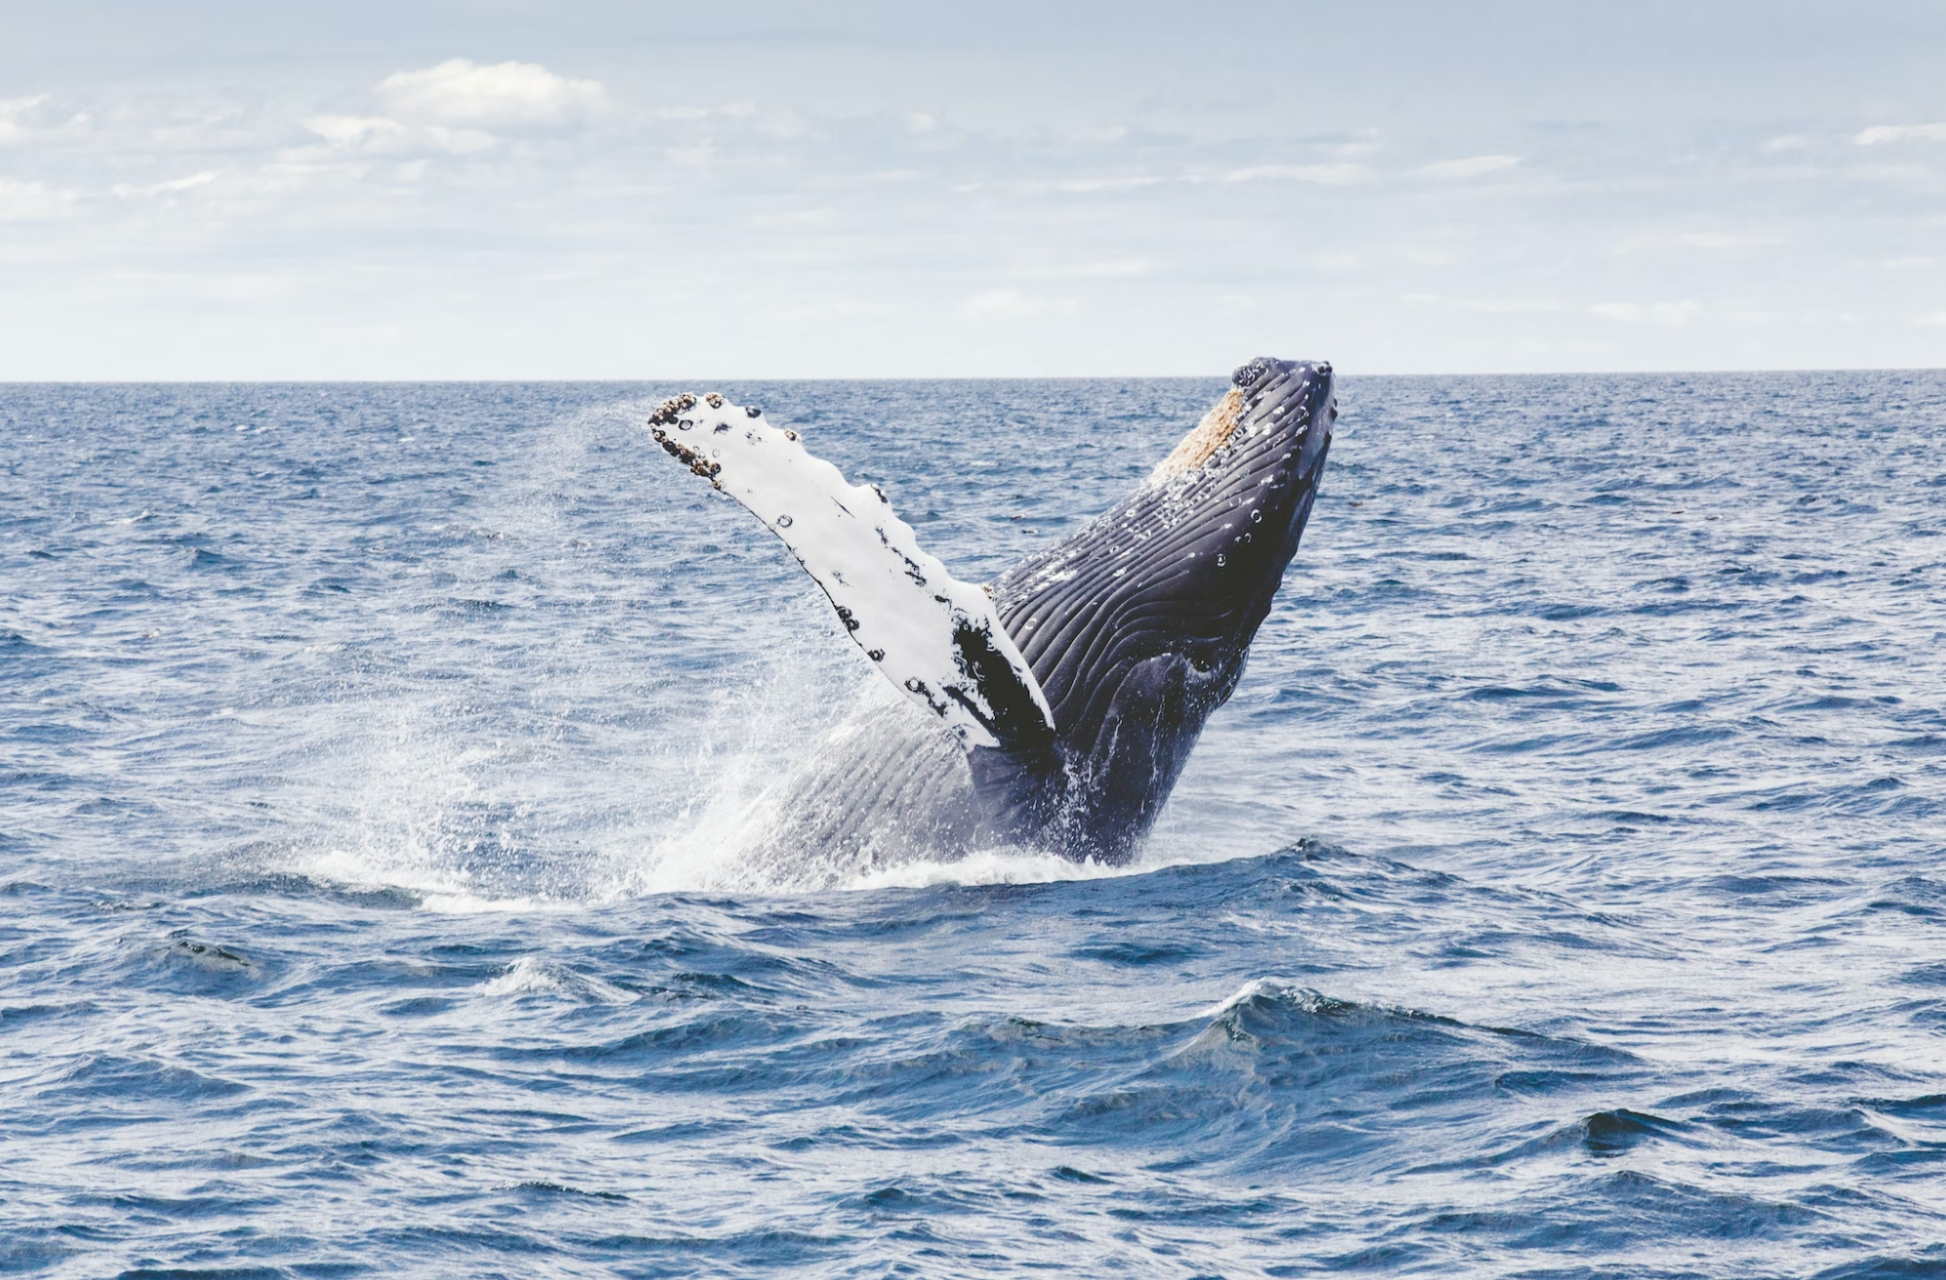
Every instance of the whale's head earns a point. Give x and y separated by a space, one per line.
1138 626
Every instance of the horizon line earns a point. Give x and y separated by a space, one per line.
1339 372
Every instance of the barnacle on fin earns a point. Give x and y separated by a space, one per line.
671 409
693 457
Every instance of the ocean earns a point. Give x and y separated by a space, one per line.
1561 893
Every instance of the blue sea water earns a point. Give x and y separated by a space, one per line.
1560 894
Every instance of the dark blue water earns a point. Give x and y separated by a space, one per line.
1561 893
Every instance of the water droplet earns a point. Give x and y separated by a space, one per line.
783 522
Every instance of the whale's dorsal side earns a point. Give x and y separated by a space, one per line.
938 639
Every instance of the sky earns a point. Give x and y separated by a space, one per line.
504 189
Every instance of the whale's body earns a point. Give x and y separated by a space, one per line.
1064 700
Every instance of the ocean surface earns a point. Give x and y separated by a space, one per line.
1561 894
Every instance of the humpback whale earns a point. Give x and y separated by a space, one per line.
1058 705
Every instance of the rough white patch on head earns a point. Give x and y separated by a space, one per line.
897 602
1201 444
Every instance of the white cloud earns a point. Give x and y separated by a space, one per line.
1785 142
13 112
383 134
1094 269
1085 186
1933 317
1786 316
783 125
170 187
500 96
788 218
1332 175
354 131
1488 306
1653 313
32 201
1705 241
1882 133
1729 239
691 157
1889 172
1470 167
734 111
1012 303
1110 269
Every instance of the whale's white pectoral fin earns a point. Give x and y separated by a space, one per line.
937 638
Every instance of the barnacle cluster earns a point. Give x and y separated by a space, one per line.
692 458
672 413
672 409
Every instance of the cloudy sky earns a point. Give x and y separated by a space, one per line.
498 188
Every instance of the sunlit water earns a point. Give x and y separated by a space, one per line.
1561 893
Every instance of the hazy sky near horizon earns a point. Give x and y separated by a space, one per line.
503 189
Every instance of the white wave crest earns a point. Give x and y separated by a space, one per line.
530 975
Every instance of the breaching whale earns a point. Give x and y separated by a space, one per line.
1061 702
